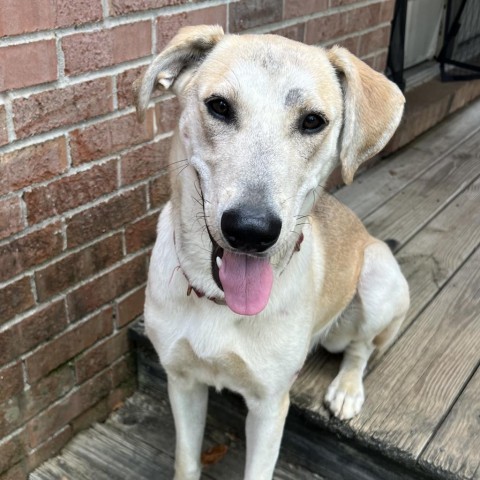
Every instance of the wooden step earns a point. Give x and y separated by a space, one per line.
421 415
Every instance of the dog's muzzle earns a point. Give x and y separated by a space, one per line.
245 278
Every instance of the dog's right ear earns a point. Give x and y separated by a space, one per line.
187 49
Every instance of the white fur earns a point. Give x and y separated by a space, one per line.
264 156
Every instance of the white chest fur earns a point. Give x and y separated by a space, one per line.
198 339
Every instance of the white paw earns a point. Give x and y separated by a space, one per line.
345 397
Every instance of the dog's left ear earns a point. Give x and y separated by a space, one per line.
186 49
373 107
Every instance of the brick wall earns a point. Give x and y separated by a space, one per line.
82 183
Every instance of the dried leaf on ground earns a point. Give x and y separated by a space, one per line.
214 455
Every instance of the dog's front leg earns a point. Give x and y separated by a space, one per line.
189 405
264 429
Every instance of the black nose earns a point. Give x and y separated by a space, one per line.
250 229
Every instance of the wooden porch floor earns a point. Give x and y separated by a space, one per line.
422 409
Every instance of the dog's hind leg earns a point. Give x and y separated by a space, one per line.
383 301
189 405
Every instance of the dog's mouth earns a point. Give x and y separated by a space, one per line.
245 280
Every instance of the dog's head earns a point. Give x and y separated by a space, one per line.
264 122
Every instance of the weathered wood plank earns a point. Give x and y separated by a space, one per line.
67 466
455 448
406 213
150 421
110 452
427 261
440 248
377 185
419 379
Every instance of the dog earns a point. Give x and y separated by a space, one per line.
255 263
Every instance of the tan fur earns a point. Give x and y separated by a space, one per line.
343 238
371 120
342 289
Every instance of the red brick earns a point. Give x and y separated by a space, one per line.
48 390
12 451
168 25
362 18
118 396
76 12
159 191
387 10
86 52
106 288
326 28
130 307
21 407
38 64
3 126
31 331
145 162
293 32
101 356
97 413
15 298
9 348
253 13
124 371
11 216
49 448
78 266
30 250
122 7
350 43
70 192
142 233
110 136
17 472
380 63
23 16
167 113
29 165
46 111
69 344
374 40
56 417
339 3
42 325
298 8
11 415
329 27
124 86
11 380
107 216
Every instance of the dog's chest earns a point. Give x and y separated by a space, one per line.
223 369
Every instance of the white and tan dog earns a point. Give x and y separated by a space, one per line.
276 264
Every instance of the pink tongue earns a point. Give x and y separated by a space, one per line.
246 281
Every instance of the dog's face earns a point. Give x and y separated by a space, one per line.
264 122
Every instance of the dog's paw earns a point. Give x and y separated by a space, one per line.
345 397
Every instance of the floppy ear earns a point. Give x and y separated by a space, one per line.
188 48
373 107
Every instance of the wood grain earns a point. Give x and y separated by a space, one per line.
377 185
406 213
440 248
455 448
419 379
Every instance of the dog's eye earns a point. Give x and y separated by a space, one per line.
219 108
313 123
